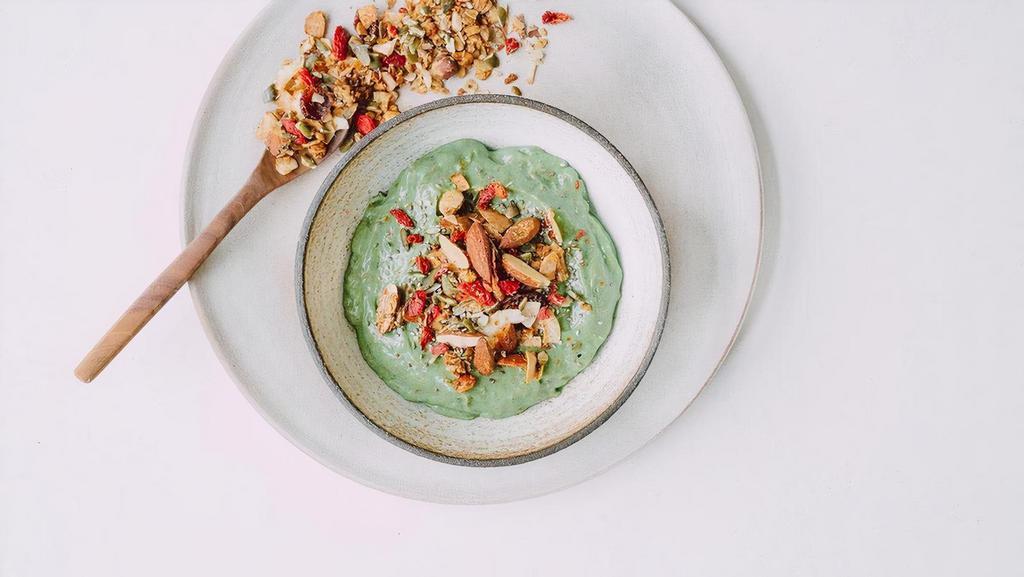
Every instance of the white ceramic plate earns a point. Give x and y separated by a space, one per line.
658 91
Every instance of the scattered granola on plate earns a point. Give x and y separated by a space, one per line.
350 76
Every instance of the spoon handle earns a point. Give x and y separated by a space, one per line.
181 269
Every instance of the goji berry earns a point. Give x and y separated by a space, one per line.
423 264
544 313
307 78
394 59
476 290
554 17
290 128
511 45
554 298
580 234
365 123
415 307
340 44
414 238
392 30
426 335
484 200
402 218
458 236
438 349
509 286
432 313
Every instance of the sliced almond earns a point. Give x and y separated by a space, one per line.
523 272
481 253
530 312
550 330
456 222
450 202
459 340
506 340
483 358
549 266
453 253
499 222
516 360
316 24
520 233
460 182
387 309
532 373
549 219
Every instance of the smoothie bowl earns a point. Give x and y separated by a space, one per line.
483 280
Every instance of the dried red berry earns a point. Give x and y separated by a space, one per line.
477 291
509 286
414 239
511 45
402 218
556 299
426 335
554 17
458 236
484 200
544 313
432 314
394 59
307 78
340 44
415 307
580 234
289 126
365 123
422 263
438 349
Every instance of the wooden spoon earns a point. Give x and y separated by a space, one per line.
262 181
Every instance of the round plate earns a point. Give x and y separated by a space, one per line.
680 123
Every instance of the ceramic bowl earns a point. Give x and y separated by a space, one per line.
621 201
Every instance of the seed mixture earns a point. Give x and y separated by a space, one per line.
351 76
493 284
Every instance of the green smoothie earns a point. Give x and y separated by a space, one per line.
419 356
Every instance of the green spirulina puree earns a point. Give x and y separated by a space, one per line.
536 181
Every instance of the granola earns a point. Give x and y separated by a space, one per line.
350 77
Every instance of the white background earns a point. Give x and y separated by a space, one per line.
869 421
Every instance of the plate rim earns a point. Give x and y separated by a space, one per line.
185 233
470 99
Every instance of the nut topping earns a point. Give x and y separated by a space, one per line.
523 272
483 358
520 233
481 253
387 309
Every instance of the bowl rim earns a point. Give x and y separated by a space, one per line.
356 149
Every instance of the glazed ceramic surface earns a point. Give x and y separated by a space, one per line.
617 195
677 118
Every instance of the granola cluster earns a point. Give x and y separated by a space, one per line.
491 284
352 76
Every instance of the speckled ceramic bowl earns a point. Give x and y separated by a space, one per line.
621 201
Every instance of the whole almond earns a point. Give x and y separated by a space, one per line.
483 358
523 272
520 233
480 252
496 221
